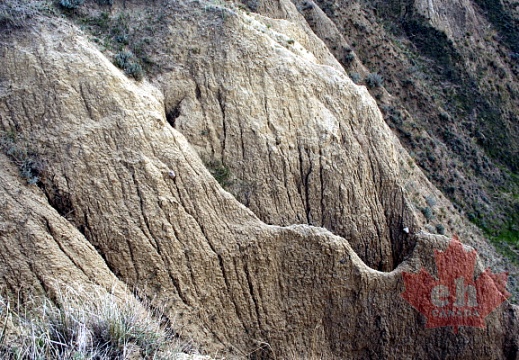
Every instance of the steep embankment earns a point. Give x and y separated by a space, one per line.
122 195
451 72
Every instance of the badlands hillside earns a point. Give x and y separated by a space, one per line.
264 176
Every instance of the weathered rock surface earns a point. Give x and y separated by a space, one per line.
124 197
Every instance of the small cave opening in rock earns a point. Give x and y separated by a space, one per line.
172 115
58 199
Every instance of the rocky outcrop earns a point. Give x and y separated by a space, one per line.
284 133
123 195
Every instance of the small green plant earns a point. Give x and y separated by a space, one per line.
29 163
220 172
253 5
431 201
440 229
135 70
355 77
290 41
123 58
127 61
427 213
122 39
374 80
348 58
71 4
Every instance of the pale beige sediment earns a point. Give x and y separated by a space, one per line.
311 144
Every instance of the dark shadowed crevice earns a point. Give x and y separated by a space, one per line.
173 114
264 352
398 218
198 92
58 199
61 201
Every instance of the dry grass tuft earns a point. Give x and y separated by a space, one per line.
84 326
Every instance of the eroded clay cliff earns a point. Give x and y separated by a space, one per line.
118 191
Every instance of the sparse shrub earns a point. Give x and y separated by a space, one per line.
440 229
355 77
396 118
30 168
122 39
15 13
71 4
220 172
123 58
348 58
374 80
431 201
407 82
105 2
135 70
29 163
253 5
427 213
85 325
127 61
444 116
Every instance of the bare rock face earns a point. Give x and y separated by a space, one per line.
283 125
123 197
40 249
